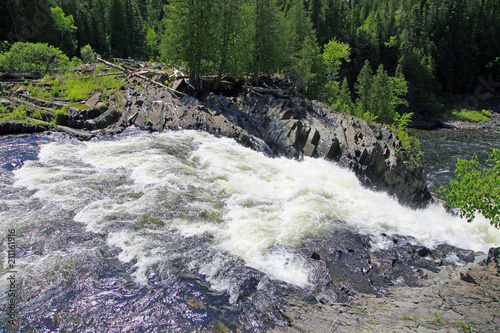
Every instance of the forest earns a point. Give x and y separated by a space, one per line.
333 50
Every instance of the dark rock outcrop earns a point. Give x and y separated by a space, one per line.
13 127
354 266
289 126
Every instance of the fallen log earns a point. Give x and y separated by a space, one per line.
139 76
141 63
120 68
158 83
35 75
270 91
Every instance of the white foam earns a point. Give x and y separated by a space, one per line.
247 202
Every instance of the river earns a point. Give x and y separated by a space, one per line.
182 231
441 149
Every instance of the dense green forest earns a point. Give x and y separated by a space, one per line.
331 49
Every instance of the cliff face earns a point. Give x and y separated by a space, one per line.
290 126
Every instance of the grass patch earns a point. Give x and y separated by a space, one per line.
78 90
465 325
471 116
59 116
72 88
36 114
19 114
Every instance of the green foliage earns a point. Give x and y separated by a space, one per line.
439 46
36 114
188 36
88 55
51 89
80 106
63 23
26 57
59 116
65 27
363 88
379 94
78 90
465 325
476 189
151 42
339 96
75 89
468 115
4 46
307 67
333 54
438 319
410 146
234 47
18 113
270 39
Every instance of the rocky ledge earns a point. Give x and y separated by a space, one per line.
278 123
455 299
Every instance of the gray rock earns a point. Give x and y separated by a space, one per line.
448 305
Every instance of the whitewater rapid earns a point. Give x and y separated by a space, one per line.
145 193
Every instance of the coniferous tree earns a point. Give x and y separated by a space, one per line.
363 90
189 36
233 37
379 95
118 31
306 65
270 47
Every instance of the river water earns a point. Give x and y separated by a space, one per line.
442 148
182 231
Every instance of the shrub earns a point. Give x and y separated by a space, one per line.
28 57
410 146
88 55
476 189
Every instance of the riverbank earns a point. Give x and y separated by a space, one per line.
491 125
457 299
